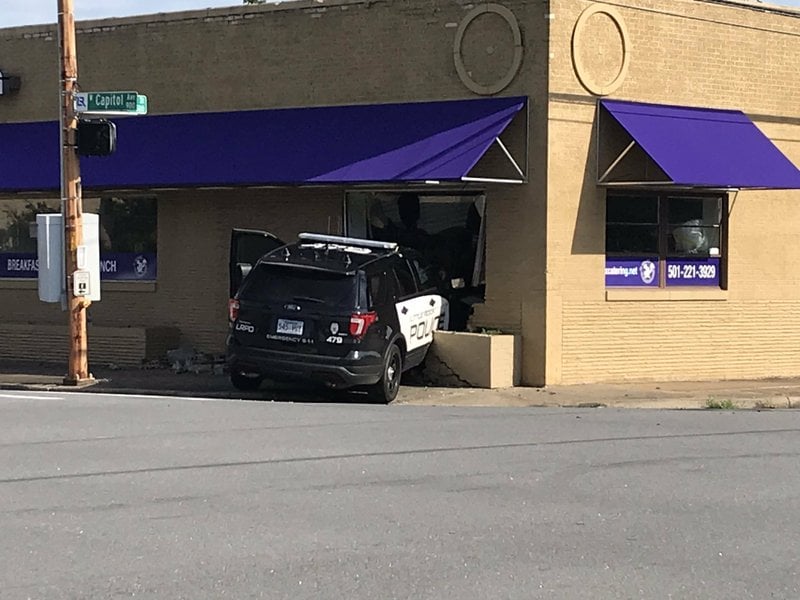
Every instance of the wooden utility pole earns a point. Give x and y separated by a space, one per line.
71 201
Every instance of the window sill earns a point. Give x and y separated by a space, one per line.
108 286
18 284
665 295
128 286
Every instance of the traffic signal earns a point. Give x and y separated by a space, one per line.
96 137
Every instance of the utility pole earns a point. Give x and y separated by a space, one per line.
71 201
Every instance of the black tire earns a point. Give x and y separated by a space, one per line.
245 383
389 385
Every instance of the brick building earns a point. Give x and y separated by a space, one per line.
616 246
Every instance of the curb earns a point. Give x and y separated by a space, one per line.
460 397
93 389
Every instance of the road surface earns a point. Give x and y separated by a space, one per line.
121 496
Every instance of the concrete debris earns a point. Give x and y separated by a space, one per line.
188 360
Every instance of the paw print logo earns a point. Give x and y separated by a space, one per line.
140 266
647 271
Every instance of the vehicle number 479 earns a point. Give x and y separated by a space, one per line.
334 339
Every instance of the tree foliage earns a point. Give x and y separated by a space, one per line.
128 225
15 235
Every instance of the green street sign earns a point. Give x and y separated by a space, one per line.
111 103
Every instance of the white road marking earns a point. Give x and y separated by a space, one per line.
95 395
26 397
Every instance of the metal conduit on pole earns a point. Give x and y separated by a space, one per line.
71 201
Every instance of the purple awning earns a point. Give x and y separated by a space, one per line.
375 143
702 147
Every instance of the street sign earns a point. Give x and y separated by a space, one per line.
111 103
141 104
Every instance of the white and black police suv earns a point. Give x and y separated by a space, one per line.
344 312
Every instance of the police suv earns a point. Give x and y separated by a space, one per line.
345 312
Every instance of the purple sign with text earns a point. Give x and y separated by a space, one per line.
18 265
117 266
693 271
632 272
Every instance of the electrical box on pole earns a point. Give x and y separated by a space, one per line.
50 249
50 246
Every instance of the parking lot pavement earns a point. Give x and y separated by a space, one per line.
758 394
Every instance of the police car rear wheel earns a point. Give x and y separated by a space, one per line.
387 388
245 383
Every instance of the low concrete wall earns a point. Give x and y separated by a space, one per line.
475 359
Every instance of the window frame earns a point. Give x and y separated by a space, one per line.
402 263
355 221
664 231
418 266
138 267
386 290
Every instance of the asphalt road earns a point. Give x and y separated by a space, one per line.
122 496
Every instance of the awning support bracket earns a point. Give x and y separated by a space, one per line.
510 158
624 153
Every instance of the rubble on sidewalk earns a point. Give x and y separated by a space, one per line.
187 360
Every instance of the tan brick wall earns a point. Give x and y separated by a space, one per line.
194 238
192 288
545 238
689 52
681 52
275 55
294 54
617 341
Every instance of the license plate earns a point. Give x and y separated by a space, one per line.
290 327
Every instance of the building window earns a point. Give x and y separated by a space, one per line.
128 233
664 240
447 228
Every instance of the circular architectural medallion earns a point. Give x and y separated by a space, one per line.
600 49
482 41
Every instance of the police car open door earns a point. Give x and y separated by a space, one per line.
247 246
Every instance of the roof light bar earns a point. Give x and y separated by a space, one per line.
337 239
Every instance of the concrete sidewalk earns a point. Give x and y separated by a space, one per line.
752 394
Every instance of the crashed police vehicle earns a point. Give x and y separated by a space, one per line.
344 312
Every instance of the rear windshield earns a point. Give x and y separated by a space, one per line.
270 284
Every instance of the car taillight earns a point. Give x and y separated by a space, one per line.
360 323
233 309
